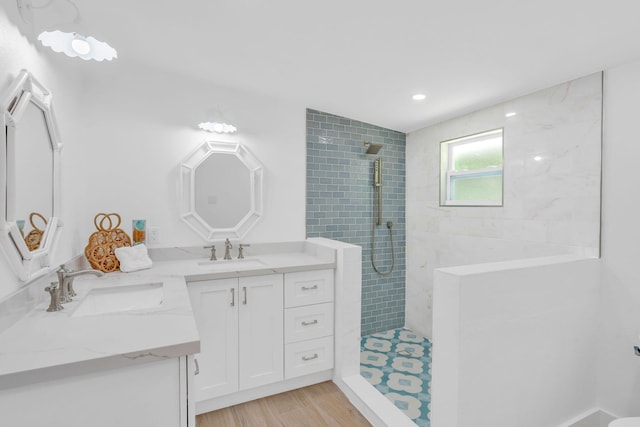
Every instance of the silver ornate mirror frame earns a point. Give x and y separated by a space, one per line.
26 90
188 203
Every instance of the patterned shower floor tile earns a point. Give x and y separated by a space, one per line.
398 364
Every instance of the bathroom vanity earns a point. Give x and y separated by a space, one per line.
262 334
188 336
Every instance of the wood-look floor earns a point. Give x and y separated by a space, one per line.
314 406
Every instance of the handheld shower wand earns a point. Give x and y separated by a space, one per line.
377 185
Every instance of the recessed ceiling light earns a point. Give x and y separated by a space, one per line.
537 158
511 114
419 97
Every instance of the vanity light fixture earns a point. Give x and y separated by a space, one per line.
419 97
217 127
74 44
510 114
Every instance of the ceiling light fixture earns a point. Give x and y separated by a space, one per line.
217 127
74 44
511 114
419 97
80 45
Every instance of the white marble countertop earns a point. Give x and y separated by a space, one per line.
204 269
41 342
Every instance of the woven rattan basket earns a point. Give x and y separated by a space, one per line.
34 237
101 250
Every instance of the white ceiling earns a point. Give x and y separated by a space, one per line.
363 59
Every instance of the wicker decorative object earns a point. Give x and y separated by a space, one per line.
101 250
34 237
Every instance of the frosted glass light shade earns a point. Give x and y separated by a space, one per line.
217 127
81 46
73 44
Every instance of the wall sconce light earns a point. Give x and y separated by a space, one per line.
217 127
74 44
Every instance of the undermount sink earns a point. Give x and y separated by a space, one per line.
232 264
121 298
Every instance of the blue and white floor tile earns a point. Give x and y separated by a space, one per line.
398 364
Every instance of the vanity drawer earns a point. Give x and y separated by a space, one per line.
308 322
308 287
307 357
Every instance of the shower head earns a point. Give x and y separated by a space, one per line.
372 148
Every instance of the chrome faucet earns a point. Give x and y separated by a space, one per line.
213 252
53 290
65 281
241 250
227 249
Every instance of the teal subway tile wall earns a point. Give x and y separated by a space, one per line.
341 205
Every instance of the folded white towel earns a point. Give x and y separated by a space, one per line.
133 258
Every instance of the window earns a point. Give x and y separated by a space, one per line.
471 170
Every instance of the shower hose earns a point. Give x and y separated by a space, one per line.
393 255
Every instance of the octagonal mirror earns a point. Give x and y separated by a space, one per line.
221 190
30 160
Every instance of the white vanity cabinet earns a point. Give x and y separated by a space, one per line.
262 335
240 321
150 394
308 301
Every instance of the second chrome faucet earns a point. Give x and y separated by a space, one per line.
62 292
227 250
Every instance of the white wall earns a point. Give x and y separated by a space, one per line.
140 124
127 126
551 206
515 343
619 373
16 53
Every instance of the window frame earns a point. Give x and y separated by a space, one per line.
447 172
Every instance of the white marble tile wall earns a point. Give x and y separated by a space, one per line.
551 205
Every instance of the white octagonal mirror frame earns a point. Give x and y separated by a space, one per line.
188 211
27 264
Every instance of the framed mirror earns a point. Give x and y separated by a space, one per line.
30 158
221 190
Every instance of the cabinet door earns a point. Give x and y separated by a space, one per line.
144 395
215 306
261 330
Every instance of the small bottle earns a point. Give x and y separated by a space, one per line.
139 231
20 224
